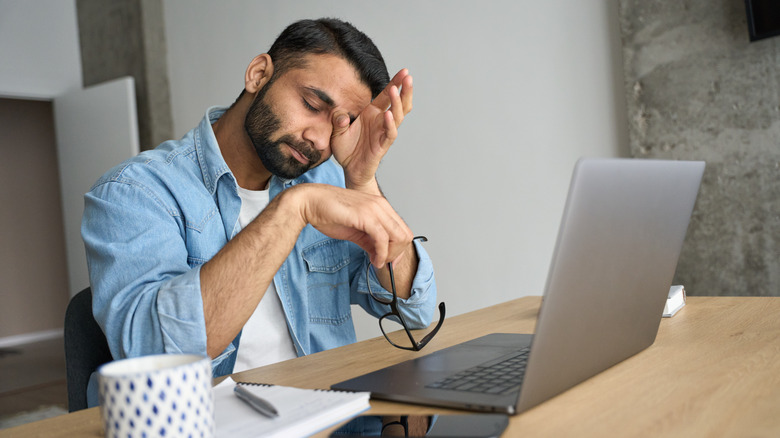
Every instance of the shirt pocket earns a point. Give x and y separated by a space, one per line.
327 282
203 236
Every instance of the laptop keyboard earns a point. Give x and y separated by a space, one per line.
498 376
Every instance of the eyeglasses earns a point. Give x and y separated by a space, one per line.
386 322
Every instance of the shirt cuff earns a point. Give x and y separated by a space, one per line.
420 307
180 309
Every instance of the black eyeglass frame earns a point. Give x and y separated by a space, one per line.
416 346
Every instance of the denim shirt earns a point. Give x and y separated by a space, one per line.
151 222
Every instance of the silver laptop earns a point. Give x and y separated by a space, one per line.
619 240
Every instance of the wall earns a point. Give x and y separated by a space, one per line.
700 90
39 47
33 274
40 60
508 94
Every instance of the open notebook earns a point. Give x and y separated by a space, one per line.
302 412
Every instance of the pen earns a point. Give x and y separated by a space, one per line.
256 402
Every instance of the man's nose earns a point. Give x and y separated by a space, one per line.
319 135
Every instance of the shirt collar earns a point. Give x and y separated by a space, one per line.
212 164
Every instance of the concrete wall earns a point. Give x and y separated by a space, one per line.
698 89
508 94
126 38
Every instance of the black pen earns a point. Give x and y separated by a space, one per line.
256 402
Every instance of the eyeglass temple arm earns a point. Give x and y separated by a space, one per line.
433 332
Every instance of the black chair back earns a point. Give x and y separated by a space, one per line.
85 348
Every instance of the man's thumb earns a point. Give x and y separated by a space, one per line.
340 123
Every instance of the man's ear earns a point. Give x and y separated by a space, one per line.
258 73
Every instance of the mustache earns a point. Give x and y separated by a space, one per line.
304 147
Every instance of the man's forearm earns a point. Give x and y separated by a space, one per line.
404 270
234 281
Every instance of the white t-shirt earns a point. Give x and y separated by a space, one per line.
265 338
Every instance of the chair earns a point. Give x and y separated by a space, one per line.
85 348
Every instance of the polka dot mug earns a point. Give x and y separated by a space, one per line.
167 395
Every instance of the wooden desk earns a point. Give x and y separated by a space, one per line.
714 370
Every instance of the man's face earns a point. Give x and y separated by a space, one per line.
290 121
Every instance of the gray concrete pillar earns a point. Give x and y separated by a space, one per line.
127 38
698 89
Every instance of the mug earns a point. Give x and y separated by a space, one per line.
166 395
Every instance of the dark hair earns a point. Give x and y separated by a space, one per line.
330 36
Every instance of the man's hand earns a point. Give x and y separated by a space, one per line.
236 278
365 219
360 146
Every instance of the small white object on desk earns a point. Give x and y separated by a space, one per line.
675 301
156 395
301 412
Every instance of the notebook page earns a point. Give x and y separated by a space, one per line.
302 412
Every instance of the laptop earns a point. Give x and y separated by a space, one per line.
619 240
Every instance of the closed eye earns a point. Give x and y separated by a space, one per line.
309 106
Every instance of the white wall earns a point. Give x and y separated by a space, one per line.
508 94
39 48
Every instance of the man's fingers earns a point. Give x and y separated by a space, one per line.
400 237
367 220
396 106
382 101
381 246
400 99
407 90
391 130
399 77
390 234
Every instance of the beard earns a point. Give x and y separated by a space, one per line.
260 124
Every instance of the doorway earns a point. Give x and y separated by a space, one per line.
33 267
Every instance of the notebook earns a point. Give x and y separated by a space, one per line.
302 412
619 240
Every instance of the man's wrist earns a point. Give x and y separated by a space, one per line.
370 187
293 206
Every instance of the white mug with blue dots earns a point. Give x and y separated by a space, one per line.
166 395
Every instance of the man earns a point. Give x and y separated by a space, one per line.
242 240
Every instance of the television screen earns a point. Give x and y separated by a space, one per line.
763 17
